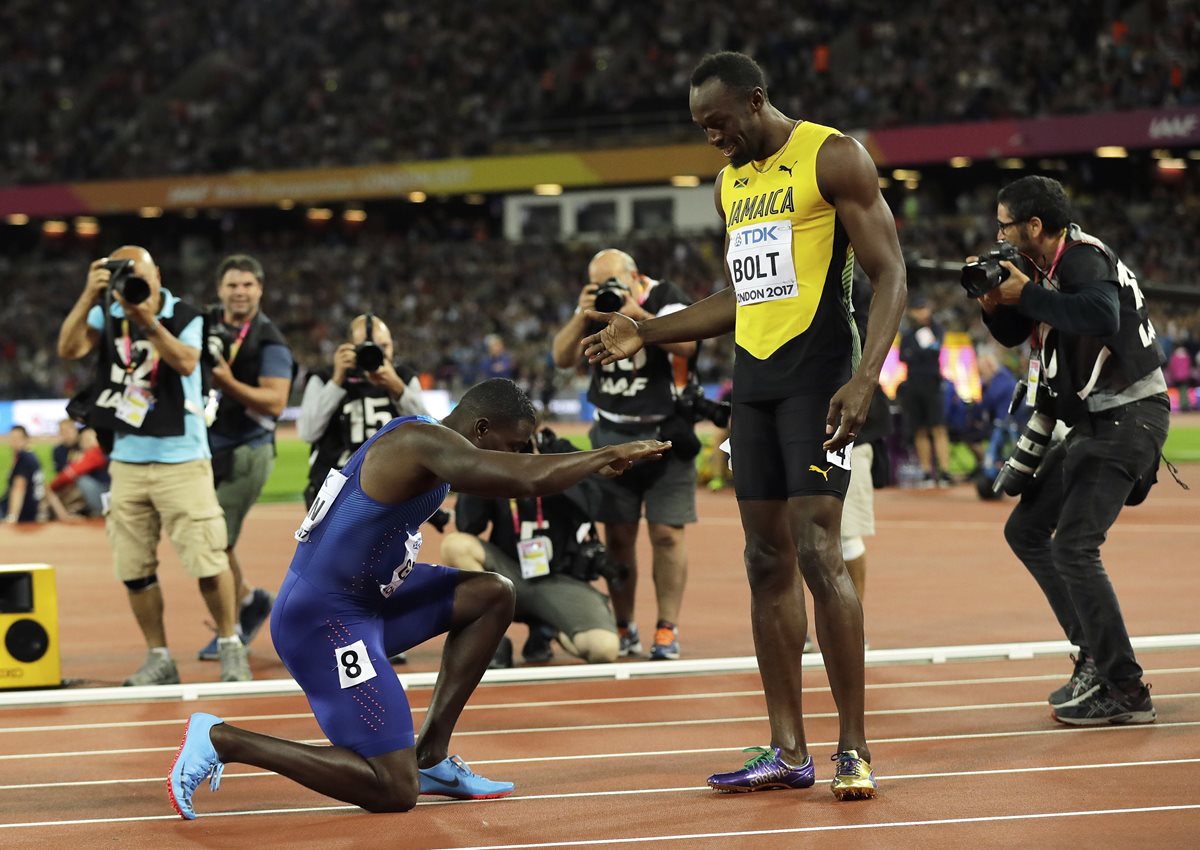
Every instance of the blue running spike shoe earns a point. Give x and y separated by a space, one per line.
195 762
853 779
765 771
452 778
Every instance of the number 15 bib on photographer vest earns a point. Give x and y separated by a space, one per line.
791 265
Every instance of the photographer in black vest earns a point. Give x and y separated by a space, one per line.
343 406
148 396
1096 368
250 369
548 548
635 399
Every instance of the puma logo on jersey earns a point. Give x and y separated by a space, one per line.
788 169
824 472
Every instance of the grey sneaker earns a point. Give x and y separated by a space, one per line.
155 670
235 667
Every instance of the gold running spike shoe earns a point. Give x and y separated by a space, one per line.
853 779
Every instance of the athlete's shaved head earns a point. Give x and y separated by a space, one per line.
498 400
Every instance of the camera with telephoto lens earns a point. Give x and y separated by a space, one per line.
1031 446
984 273
694 406
610 295
368 356
125 283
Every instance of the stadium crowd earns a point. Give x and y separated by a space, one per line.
147 89
427 288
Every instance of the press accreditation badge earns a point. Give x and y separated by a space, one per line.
353 665
535 556
133 406
1035 371
760 262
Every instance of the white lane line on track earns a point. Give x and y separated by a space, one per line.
227 775
257 718
629 840
912 739
648 724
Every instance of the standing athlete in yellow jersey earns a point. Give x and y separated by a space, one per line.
800 202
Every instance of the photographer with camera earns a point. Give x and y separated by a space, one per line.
1095 366
548 548
635 400
342 407
250 366
148 396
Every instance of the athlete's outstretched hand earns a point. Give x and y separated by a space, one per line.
619 339
627 453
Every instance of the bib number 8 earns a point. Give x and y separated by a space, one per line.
353 664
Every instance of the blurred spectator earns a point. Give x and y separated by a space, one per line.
68 444
1179 374
26 484
497 362
922 395
81 484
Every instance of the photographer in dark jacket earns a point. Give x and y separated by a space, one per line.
1097 369
635 399
547 547
250 367
344 406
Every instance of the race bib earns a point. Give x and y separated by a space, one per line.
760 262
535 554
353 665
332 485
412 548
840 458
133 406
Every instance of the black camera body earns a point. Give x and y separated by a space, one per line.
592 561
368 356
610 295
1021 467
133 289
985 273
692 405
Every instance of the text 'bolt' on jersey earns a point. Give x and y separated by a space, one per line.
791 266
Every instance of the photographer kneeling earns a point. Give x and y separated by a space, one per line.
1095 366
548 548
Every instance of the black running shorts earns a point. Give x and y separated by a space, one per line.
776 450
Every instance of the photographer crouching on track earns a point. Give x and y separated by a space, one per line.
147 395
1095 367
548 548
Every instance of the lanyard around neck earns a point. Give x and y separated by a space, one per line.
127 345
512 504
237 343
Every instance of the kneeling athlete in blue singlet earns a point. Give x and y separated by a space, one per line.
355 595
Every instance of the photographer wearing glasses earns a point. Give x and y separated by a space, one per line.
250 366
1095 366
148 396
548 548
635 400
344 406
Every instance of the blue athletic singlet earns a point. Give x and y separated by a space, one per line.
356 595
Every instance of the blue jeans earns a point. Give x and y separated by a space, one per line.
1058 527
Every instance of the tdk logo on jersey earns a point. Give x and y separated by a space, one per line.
756 235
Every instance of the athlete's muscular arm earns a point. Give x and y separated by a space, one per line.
416 456
623 337
847 178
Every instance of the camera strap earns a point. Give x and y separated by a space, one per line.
237 343
1039 336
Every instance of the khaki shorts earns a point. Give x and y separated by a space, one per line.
252 467
858 511
148 497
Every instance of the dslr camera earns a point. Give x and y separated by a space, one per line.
592 561
610 295
368 356
985 273
692 405
125 283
